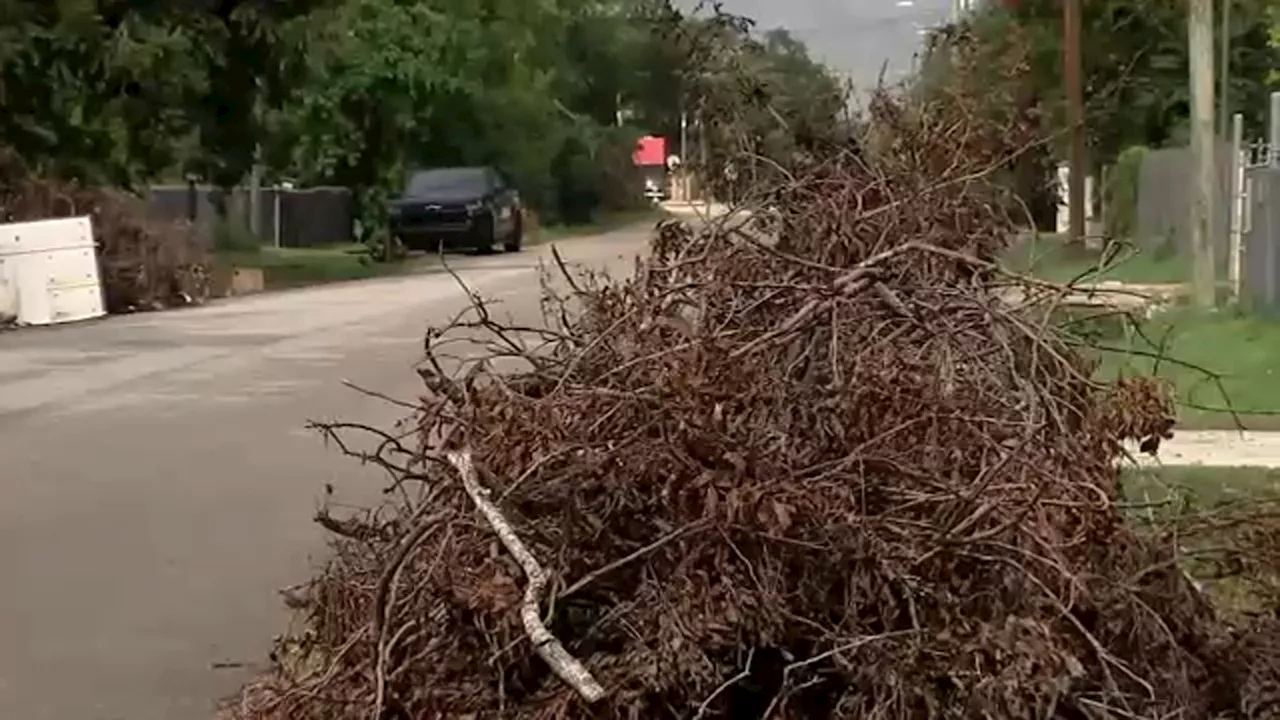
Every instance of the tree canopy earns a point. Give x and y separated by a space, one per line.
356 92
1136 65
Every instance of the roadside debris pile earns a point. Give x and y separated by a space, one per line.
144 264
821 474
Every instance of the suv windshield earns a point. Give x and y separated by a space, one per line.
451 180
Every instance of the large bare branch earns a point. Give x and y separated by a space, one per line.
566 666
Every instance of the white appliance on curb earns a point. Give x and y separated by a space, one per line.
49 272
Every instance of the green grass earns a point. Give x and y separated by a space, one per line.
1189 349
1198 486
1156 497
1220 363
605 223
298 267
1050 257
295 267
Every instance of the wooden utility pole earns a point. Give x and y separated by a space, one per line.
704 190
1073 76
1203 141
1224 72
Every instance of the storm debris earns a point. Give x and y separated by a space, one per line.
144 264
818 472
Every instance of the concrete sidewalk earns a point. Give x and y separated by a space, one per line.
1218 448
703 210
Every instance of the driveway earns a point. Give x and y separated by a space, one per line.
157 483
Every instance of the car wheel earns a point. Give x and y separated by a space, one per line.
406 242
516 238
488 238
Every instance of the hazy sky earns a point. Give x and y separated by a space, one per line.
852 36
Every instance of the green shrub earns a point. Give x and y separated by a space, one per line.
1121 193
230 236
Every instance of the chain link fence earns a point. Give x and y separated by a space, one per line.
1256 219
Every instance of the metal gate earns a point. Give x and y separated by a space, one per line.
1255 216
1258 227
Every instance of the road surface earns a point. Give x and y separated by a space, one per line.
157 483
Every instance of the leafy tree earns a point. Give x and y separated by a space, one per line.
756 99
94 90
1136 65
251 67
1274 79
356 92
446 82
112 91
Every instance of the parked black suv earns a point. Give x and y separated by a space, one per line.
460 208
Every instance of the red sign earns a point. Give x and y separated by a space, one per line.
650 151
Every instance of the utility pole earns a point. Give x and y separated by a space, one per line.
1073 76
1224 72
682 173
1235 206
255 172
704 184
1203 141
1273 132
684 136
255 195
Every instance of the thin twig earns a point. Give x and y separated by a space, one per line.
594 575
412 407
746 673
384 595
846 647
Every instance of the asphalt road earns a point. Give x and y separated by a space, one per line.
157 482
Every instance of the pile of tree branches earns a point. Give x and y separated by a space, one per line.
821 471
144 264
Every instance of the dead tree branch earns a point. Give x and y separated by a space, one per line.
565 666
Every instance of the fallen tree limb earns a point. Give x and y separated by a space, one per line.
565 666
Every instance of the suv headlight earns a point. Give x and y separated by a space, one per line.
475 208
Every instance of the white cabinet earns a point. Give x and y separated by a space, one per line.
49 272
